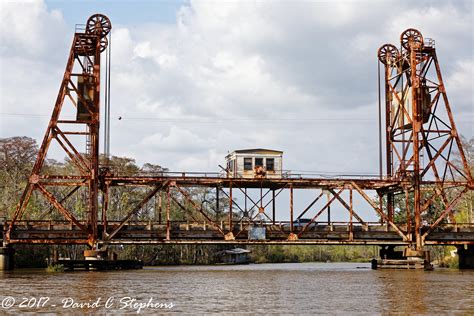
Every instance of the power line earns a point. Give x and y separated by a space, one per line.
212 120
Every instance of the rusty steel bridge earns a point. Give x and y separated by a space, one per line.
425 170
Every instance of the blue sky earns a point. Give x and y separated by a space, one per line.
120 11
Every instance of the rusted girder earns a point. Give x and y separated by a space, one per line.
419 122
84 57
134 211
194 232
297 183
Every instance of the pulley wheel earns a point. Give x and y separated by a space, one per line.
98 24
388 54
103 43
411 36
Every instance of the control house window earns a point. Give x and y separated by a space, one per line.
258 162
247 164
270 164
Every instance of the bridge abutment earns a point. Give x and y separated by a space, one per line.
7 255
466 257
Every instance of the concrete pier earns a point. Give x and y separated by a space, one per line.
7 255
466 257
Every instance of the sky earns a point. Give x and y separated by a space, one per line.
193 80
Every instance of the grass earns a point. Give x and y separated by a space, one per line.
55 268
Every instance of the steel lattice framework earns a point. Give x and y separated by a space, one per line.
421 140
81 86
421 134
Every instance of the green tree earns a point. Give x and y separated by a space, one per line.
17 157
465 207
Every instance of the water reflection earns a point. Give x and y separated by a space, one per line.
423 292
308 288
403 291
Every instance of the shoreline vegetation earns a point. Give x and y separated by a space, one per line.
28 256
55 268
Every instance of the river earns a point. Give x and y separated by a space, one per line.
294 288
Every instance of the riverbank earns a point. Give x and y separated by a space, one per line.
35 256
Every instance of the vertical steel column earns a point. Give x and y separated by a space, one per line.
388 123
390 207
245 200
380 122
217 204
245 212
168 210
416 125
230 206
351 210
381 208
160 206
329 208
94 149
291 208
273 206
388 139
408 211
105 208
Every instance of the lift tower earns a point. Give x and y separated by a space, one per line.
422 142
79 92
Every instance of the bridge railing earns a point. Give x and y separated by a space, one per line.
286 174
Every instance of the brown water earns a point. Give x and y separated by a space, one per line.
299 288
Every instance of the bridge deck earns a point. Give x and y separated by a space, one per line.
204 233
213 180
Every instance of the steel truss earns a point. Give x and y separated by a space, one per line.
79 88
421 135
411 132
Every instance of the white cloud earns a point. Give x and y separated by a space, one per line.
461 79
232 75
459 86
177 139
33 50
28 28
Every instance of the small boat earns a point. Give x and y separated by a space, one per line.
233 256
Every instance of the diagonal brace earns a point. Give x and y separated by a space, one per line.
68 215
319 213
186 195
348 207
378 210
135 210
448 210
